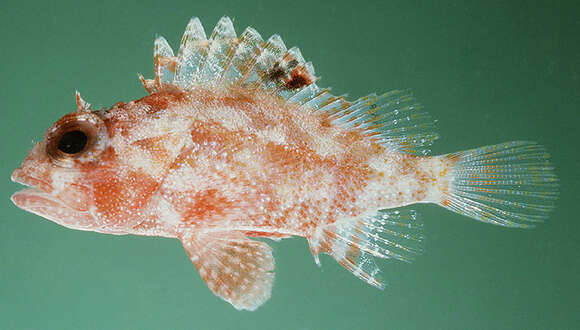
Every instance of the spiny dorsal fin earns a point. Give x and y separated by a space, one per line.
224 59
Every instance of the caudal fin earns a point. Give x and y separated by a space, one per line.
510 184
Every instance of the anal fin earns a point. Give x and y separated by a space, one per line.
387 234
234 267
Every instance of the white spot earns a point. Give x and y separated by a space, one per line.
273 134
167 213
62 178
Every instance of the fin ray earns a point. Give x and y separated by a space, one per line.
191 54
393 118
234 267
510 184
221 42
388 234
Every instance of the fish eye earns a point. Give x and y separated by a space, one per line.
75 137
72 142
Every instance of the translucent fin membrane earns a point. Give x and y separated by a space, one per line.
388 234
191 55
242 58
394 118
222 40
234 267
224 59
164 61
510 184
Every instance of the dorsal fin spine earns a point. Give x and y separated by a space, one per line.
191 53
392 118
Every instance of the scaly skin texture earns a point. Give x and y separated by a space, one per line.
235 160
248 162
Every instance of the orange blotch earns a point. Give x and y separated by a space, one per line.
119 200
168 62
162 100
206 204
203 132
325 121
155 146
265 234
299 78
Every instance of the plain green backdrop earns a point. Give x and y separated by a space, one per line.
490 71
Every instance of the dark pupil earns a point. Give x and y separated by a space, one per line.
72 142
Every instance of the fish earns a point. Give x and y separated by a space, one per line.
236 143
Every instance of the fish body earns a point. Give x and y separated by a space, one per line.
236 141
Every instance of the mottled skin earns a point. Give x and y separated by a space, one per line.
235 162
231 159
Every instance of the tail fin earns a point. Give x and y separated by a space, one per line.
510 184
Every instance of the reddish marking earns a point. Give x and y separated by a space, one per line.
122 118
118 199
283 157
238 98
445 203
204 132
162 100
170 62
206 204
264 234
155 146
325 121
299 78
41 179
408 164
276 73
353 252
349 171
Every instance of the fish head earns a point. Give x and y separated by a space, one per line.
72 176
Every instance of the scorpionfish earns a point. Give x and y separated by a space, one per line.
236 141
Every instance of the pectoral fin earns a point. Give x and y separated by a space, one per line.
234 267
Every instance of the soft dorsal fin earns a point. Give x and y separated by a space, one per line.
223 59
234 267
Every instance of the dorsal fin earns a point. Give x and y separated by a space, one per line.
224 59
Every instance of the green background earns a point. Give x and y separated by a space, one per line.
490 71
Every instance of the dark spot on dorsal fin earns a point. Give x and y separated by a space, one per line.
299 78
277 73
292 64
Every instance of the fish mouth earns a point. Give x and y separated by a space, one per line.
23 197
21 177
39 202
30 199
37 199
